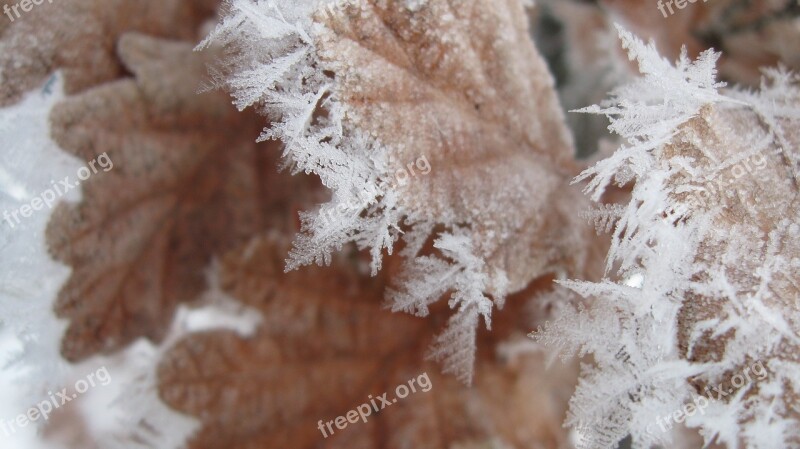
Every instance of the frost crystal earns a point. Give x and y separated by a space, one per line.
711 231
359 90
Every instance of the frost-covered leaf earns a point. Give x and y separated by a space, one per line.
186 183
326 347
80 38
703 261
430 118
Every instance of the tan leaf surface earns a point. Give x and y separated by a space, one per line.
325 347
186 184
461 83
756 186
80 37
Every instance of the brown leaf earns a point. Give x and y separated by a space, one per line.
186 184
359 89
80 37
757 189
325 347
463 85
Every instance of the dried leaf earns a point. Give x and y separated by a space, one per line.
751 187
463 85
80 38
360 90
186 184
325 347
703 279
